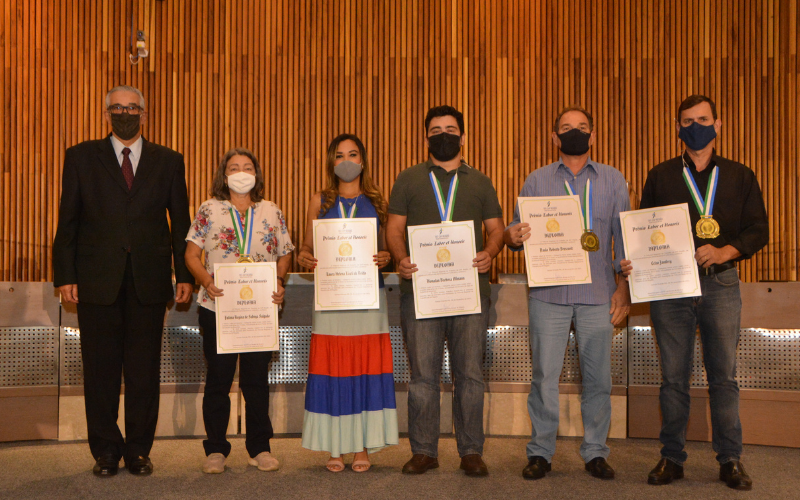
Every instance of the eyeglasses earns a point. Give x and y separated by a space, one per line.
131 109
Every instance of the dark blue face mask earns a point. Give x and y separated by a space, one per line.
697 136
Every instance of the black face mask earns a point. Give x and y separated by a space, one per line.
444 146
124 125
574 142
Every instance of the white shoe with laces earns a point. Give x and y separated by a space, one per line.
214 464
264 461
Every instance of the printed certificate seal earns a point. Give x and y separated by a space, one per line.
246 293
443 255
657 238
345 249
552 226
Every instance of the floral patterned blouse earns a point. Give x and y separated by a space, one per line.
212 231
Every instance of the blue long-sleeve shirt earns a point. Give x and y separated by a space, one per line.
609 198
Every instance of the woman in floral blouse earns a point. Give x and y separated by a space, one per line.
237 197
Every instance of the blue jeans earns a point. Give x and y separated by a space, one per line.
549 334
466 342
718 313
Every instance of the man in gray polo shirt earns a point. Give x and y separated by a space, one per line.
413 202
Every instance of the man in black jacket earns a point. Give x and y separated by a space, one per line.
115 249
730 222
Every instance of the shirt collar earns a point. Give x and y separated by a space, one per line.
711 163
589 163
136 147
464 168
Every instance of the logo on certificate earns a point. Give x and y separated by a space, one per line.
246 293
552 226
657 238
443 255
345 249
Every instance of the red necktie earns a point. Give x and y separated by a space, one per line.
127 167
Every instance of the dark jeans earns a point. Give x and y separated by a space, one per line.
466 342
253 380
125 335
718 313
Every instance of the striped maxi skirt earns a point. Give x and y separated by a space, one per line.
350 402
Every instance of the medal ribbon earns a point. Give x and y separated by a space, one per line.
343 214
243 231
445 209
587 203
705 206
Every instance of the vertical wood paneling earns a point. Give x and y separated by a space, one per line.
283 77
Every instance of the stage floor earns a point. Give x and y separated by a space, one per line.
45 469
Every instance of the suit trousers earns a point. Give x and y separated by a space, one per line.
123 336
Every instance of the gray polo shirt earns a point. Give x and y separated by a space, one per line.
476 200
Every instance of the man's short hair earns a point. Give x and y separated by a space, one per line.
126 88
438 111
573 108
695 99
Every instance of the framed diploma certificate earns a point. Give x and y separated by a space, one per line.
445 283
247 319
346 277
659 243
553 253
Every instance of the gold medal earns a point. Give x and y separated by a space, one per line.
589 241
707 227
244 259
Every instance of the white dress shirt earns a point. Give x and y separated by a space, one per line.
135 154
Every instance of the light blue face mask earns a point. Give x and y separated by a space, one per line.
347 170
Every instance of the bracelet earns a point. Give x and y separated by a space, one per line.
282 280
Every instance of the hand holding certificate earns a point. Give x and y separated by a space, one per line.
554 254
247 319
345 276
446 283
659 243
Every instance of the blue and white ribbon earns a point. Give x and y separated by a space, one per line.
705 206
587 203
445 206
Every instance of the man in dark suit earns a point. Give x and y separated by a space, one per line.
116 248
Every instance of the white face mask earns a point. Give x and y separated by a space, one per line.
241 182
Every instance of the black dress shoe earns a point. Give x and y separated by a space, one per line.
106 465
420 464
536 469
140 466
600 468
734 475
665 472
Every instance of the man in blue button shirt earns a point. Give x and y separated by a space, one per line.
594 308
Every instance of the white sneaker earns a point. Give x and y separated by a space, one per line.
264 461
214 464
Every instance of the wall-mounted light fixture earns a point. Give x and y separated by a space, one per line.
139 49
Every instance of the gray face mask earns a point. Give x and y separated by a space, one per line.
347 170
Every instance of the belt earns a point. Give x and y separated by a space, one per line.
716 268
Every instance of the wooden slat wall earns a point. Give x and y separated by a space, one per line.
283 77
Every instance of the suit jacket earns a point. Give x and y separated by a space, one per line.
100 221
